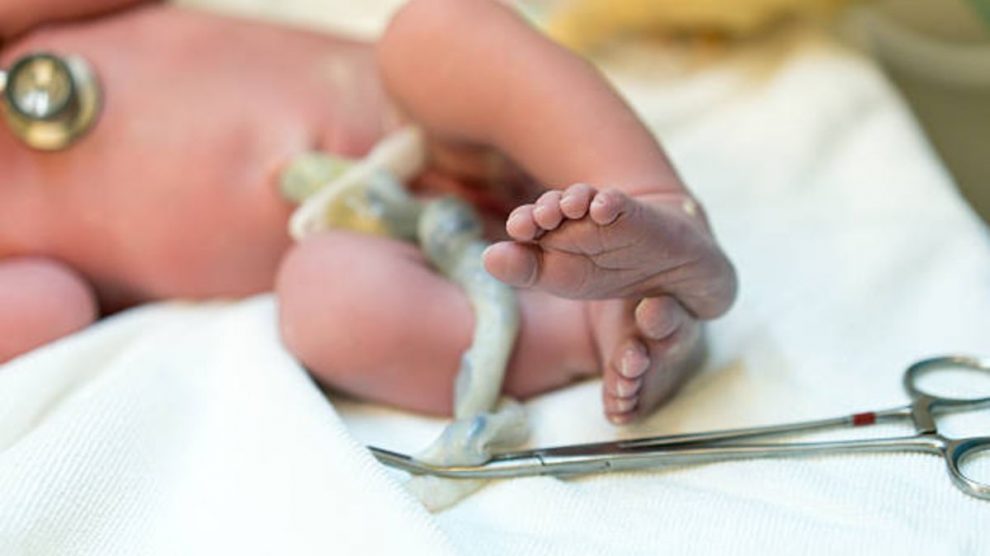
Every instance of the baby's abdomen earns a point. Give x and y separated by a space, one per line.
159 244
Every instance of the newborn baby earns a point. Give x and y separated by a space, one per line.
175 194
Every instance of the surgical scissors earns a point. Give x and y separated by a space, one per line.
707 447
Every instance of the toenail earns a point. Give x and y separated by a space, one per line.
623 405
625 388
634 362
620 418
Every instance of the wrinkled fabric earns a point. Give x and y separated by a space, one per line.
187 429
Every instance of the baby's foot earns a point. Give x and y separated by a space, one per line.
648 350
586 243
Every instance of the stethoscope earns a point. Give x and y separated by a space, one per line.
49 101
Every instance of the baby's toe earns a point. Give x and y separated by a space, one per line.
620 386
615 405
620 411
575 200
521 225
608 205
624 380
546 211
514 263
660 317
632 359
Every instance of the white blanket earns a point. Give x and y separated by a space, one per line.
187 429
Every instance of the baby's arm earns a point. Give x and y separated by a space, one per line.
474 71
41 300
18 16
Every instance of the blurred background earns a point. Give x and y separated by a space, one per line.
937 52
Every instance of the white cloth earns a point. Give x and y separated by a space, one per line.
186 429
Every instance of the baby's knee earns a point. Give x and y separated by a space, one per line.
41 300
420 27
319 310
431 50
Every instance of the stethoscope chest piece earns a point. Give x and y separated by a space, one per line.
49 101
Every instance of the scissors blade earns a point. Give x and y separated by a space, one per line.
583 458
495 468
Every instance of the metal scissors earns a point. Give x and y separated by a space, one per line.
707 447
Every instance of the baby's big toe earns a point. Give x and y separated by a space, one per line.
512 263
660 317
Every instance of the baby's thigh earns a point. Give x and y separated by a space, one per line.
41 300
367 316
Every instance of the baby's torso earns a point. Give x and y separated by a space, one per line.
173 193
195 232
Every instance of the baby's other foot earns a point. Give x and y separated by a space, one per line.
598 244
648 351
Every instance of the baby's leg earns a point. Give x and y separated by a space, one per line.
481 75
41 300
474 71
368 317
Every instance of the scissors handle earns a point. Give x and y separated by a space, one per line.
934 365
957 453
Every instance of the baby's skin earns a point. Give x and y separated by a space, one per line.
175 194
